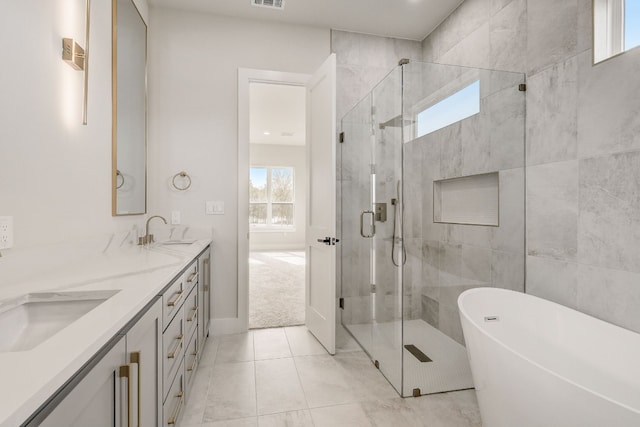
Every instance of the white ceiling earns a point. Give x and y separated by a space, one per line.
407 19
278 110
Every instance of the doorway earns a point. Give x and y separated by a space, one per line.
320 176
277 204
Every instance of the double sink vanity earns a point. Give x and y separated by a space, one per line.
111 338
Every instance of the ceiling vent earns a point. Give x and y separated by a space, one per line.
271 4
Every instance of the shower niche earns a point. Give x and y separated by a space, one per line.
442 148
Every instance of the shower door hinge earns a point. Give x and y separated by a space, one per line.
373 169
373 288
341 138
341 303
522 87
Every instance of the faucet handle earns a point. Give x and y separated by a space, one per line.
145 240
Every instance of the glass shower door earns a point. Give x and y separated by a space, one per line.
355 188
371 225
387 251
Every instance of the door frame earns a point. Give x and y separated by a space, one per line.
246 76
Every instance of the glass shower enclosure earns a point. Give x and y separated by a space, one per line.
432 185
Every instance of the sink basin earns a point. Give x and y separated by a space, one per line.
30 320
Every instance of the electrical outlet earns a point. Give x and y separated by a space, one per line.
6 232
175 217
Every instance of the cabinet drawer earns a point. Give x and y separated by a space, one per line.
191 312
191 361
190 276
173 344
174 297
174 404
172 301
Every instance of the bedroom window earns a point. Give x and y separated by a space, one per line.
271 197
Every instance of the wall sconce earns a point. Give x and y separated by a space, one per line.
78 58
73 54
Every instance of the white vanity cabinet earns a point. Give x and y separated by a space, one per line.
97 400
119 386
144 350
141 377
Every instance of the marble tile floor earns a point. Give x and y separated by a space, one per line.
284 377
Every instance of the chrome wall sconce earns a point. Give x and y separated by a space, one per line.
78 58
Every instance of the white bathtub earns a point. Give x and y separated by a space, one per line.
541 364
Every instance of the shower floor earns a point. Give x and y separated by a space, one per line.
449 369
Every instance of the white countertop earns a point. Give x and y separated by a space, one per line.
30 377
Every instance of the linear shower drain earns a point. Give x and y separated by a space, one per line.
417 353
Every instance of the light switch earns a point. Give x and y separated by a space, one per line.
214 207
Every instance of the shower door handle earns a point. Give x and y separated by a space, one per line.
373 224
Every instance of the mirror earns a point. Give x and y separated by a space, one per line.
129 110
616 27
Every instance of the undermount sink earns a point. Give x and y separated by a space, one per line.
30 320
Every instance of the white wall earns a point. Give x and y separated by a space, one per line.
283 155
55 174
193 65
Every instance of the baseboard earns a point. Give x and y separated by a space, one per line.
276 247
231 325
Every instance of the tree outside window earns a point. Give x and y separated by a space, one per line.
271 197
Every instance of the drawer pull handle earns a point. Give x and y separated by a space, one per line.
194 314
128 372
195 360
178 298
172 354
174 417
136 359
193 276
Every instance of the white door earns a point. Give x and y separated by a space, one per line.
321 205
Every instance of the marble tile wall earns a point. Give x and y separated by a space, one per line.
583 148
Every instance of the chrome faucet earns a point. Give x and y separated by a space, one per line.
148 238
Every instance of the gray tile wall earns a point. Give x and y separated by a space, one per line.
583 147
458 257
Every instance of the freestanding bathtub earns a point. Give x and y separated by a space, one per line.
540 364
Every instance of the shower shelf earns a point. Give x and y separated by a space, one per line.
472 200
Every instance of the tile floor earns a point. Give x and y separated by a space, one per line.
284 377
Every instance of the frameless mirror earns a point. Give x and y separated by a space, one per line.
129 38
616 27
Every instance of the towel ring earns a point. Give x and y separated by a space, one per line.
182 174
119 174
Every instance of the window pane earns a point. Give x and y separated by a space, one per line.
462 104
282 214
282 185
258 213
631 24
258 185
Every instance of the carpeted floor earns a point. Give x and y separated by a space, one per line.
276 296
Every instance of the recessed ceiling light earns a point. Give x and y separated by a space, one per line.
266 132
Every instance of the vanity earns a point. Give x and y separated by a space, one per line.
115 341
